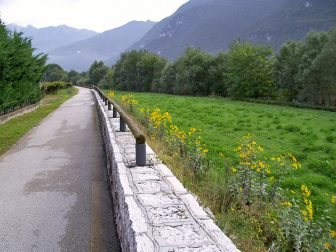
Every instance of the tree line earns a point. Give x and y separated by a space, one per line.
20 70
302 72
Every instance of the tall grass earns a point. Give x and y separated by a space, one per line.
307 134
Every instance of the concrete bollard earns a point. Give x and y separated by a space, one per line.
109 107
115 113
122 125
140 154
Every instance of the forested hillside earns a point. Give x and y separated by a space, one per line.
210 25
292 21
106 46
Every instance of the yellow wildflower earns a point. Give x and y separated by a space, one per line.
327 245
261 164
305 191
333 233
111 93
287 203
310 209
333 199
234 170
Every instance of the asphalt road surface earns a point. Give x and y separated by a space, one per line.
53 185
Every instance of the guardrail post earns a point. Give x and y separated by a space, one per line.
109 107
106 101
115 113
140 154
122 125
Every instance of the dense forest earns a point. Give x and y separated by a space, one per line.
20 70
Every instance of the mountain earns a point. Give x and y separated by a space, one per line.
48 38
208 24
293 20
104 46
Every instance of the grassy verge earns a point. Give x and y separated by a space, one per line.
310 135
14 129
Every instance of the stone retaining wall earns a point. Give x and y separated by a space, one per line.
19 112
153 211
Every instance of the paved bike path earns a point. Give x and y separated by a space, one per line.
53 185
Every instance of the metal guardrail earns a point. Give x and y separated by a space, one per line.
140 139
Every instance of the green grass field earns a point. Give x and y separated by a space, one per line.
12 130
310 135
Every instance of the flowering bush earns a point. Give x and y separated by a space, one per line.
256 179
129 101
256 176
188 146
111 93
300 230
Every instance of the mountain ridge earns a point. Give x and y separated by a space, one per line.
50 37
109 44
189 25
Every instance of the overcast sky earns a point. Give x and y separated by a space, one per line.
97 15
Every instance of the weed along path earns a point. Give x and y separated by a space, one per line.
53 187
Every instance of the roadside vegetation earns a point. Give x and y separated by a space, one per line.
13 130
267 172
20 71
264 170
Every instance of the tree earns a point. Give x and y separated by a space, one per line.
192 72
106 82
97 72
309 73
167 80
286 70
304 71
218 73
53 73
20 70
138 71
73 77
250 71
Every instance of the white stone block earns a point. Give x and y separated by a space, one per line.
137 217
117 156
196 210
158 199
164 170
176 185
181 234
125 185
218 236
121 168
144 244
149 150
